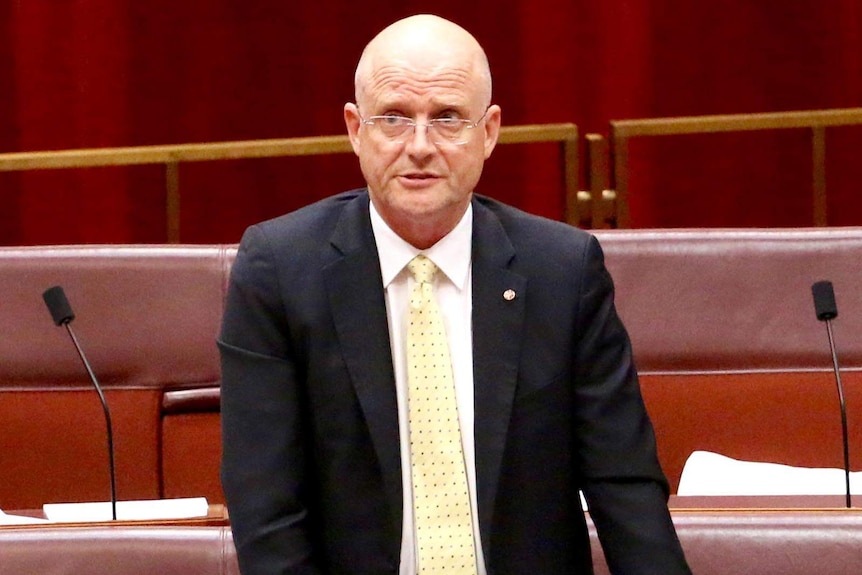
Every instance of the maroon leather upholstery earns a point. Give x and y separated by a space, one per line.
191 454
715 542
731 356
101 550
763 542
191 443
147 318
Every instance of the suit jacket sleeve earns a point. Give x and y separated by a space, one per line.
264 463
623 481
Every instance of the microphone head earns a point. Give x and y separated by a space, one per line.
58 305
824 300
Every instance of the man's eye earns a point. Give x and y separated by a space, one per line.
393 120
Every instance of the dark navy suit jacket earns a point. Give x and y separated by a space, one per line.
311 465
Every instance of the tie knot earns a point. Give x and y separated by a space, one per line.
422 268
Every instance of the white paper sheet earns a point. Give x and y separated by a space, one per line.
147 509
707 473
6 519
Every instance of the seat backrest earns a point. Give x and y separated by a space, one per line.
147 318
731 355
735 300
715 542
780 542
112 550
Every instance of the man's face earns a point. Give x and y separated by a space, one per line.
421 181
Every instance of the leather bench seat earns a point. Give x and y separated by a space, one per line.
715 543
731 356
117 550
147 318
768 542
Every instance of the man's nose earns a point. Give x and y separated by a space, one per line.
420 141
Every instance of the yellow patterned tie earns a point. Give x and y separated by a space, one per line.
441 501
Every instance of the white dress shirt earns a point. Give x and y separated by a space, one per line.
453 290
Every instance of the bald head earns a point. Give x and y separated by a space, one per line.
428 44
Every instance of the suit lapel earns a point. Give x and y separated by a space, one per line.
497 331
359 311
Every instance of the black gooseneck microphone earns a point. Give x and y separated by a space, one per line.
824 306
61 311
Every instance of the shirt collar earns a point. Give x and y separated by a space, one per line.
451 254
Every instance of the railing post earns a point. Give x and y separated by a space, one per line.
603 211
569 148
818 172
172 201
619 170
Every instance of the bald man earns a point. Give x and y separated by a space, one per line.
316 387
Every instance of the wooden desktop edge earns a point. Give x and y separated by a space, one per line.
216 516
761 504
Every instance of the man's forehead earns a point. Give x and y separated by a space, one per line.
420 71
430 73
442 90
423 53
420 57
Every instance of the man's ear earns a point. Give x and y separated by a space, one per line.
353 123
492 129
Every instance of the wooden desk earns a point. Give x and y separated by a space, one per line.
216 517
762 502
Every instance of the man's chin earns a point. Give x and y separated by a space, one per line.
422 198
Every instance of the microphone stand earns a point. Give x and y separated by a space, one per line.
843 413
107 412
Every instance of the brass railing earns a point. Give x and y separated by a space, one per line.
566 135
603 204
608 161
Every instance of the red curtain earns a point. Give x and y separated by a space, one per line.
89 73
